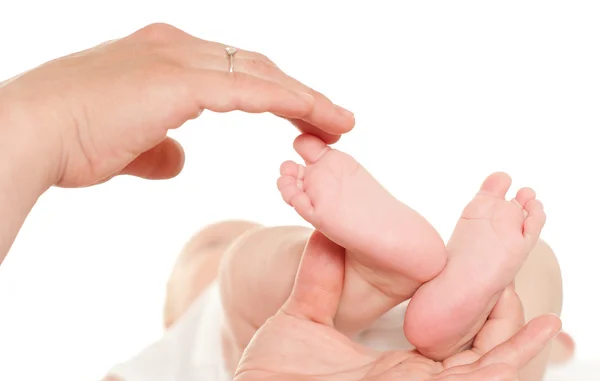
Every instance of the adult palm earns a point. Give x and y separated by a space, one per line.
300 342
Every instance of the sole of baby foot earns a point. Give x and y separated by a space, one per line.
489 245
389 243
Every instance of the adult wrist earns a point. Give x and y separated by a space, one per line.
27 168
29 158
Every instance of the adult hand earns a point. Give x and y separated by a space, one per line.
301 343
105 111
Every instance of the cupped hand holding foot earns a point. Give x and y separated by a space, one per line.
301 342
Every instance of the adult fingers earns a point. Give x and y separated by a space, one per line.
324 120
307 128
319 281
325 116
224 92
495 372
164 161
519 350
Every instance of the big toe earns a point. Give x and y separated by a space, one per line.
310 148
496 184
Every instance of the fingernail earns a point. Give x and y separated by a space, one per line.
345 113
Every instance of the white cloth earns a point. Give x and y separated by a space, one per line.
191 350
575 371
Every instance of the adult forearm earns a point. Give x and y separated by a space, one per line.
25 168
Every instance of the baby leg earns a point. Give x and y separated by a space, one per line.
197 266
539 284
256 277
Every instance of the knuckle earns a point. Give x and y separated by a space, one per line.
158 32
265 59
158 68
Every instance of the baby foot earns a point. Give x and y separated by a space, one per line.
389 245
489 245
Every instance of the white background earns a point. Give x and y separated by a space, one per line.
444 94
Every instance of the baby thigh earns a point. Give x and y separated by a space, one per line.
539 285
256 277
197 265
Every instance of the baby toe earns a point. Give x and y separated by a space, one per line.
524 195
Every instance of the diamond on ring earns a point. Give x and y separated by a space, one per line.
230 53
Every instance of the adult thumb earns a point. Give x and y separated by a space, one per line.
319 281
164 161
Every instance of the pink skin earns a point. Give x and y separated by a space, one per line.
390 247
395 250
489 245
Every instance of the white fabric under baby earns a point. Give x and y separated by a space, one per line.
191 350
